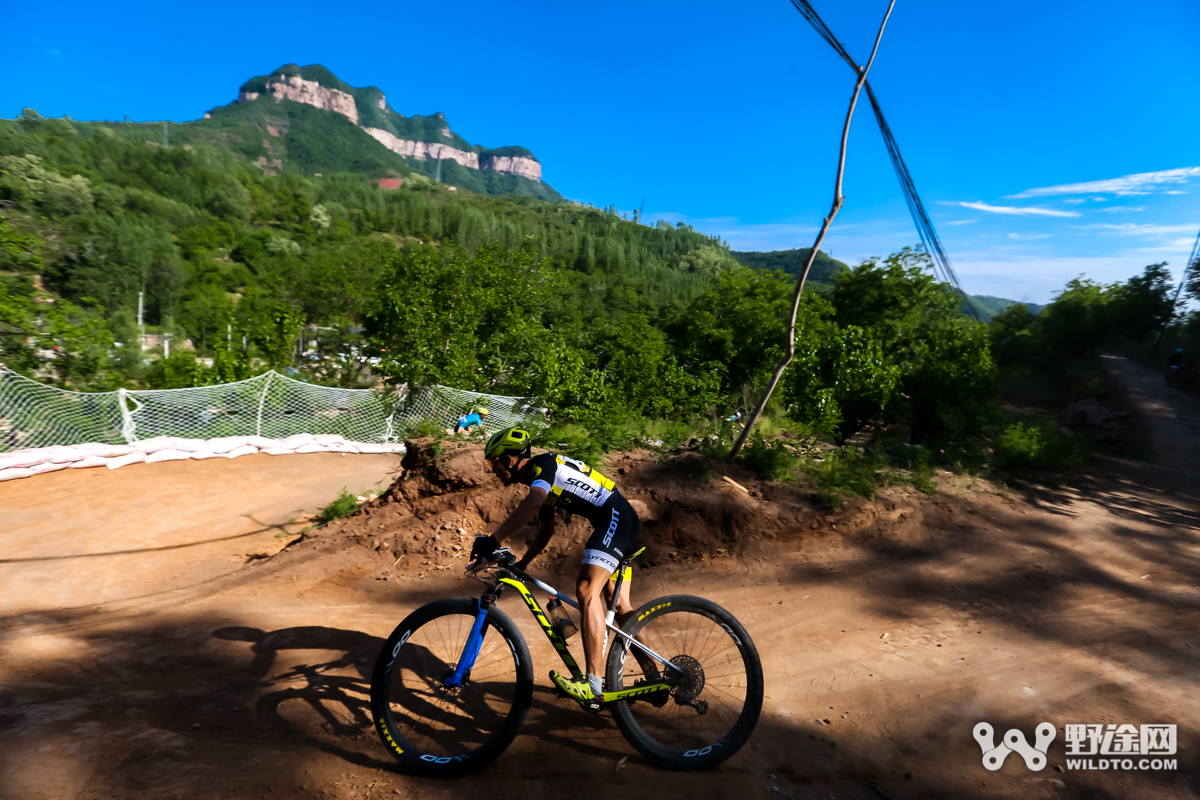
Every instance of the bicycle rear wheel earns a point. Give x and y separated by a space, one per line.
712 712
436 731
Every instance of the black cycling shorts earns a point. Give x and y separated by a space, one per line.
617 535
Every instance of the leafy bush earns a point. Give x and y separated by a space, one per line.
345 505
845 472
769 460
1022 448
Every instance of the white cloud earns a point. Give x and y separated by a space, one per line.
1175 191
1133 229
960 222
1021 211
1116 209
1028 237
1138 184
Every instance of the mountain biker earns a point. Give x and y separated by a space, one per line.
564 484
1176 358
474 419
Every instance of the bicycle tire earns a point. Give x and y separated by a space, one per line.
437 733
725 675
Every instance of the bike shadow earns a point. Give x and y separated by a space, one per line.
325 701
317 683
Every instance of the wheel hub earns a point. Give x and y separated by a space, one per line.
687 692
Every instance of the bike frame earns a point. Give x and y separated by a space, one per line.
510 575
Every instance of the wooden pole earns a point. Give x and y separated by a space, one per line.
838 199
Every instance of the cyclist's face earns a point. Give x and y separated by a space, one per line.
503 468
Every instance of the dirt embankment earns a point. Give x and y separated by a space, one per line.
694 512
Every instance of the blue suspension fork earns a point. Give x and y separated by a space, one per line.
472 646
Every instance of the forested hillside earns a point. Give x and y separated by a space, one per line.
822 276
214 244
620 329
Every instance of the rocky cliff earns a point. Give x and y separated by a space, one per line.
293 87
422 138
514 165
425 150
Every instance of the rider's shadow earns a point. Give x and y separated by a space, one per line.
554 722
326 702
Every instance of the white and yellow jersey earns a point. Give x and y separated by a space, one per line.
570 485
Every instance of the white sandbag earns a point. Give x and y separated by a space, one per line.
47 466
149 446
342 447
393 447
23 460
125 460
13 474
200 455
89 462
244 450
262 442
224 444
368 447
312 448
169 454
296 440
106 450
69 455
192 445
328 438
277 451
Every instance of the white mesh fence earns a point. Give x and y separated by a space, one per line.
33 415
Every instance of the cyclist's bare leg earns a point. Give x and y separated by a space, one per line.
624 612
624 608
588 588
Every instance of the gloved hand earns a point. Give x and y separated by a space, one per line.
484 547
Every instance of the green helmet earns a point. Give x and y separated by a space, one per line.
509 440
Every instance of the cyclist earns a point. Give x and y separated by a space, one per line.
564 484
474 419
1174 364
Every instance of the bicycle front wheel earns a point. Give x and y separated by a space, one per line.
712 711
437 731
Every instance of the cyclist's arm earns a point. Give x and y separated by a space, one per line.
544 535
523 514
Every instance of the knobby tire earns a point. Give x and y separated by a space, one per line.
437 733
725 676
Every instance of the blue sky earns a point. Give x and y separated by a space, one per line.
1047 139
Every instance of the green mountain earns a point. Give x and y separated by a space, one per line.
988 306
305 119
821 278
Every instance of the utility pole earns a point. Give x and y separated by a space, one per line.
438 178
164 133
141 328
166 345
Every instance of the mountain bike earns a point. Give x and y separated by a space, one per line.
454 680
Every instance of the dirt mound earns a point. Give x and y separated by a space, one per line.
694 511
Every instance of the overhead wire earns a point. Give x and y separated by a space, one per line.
924 225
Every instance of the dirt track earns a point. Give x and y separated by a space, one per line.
149 649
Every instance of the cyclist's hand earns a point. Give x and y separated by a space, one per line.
484 548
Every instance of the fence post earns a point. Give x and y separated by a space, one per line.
262 399
128 426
